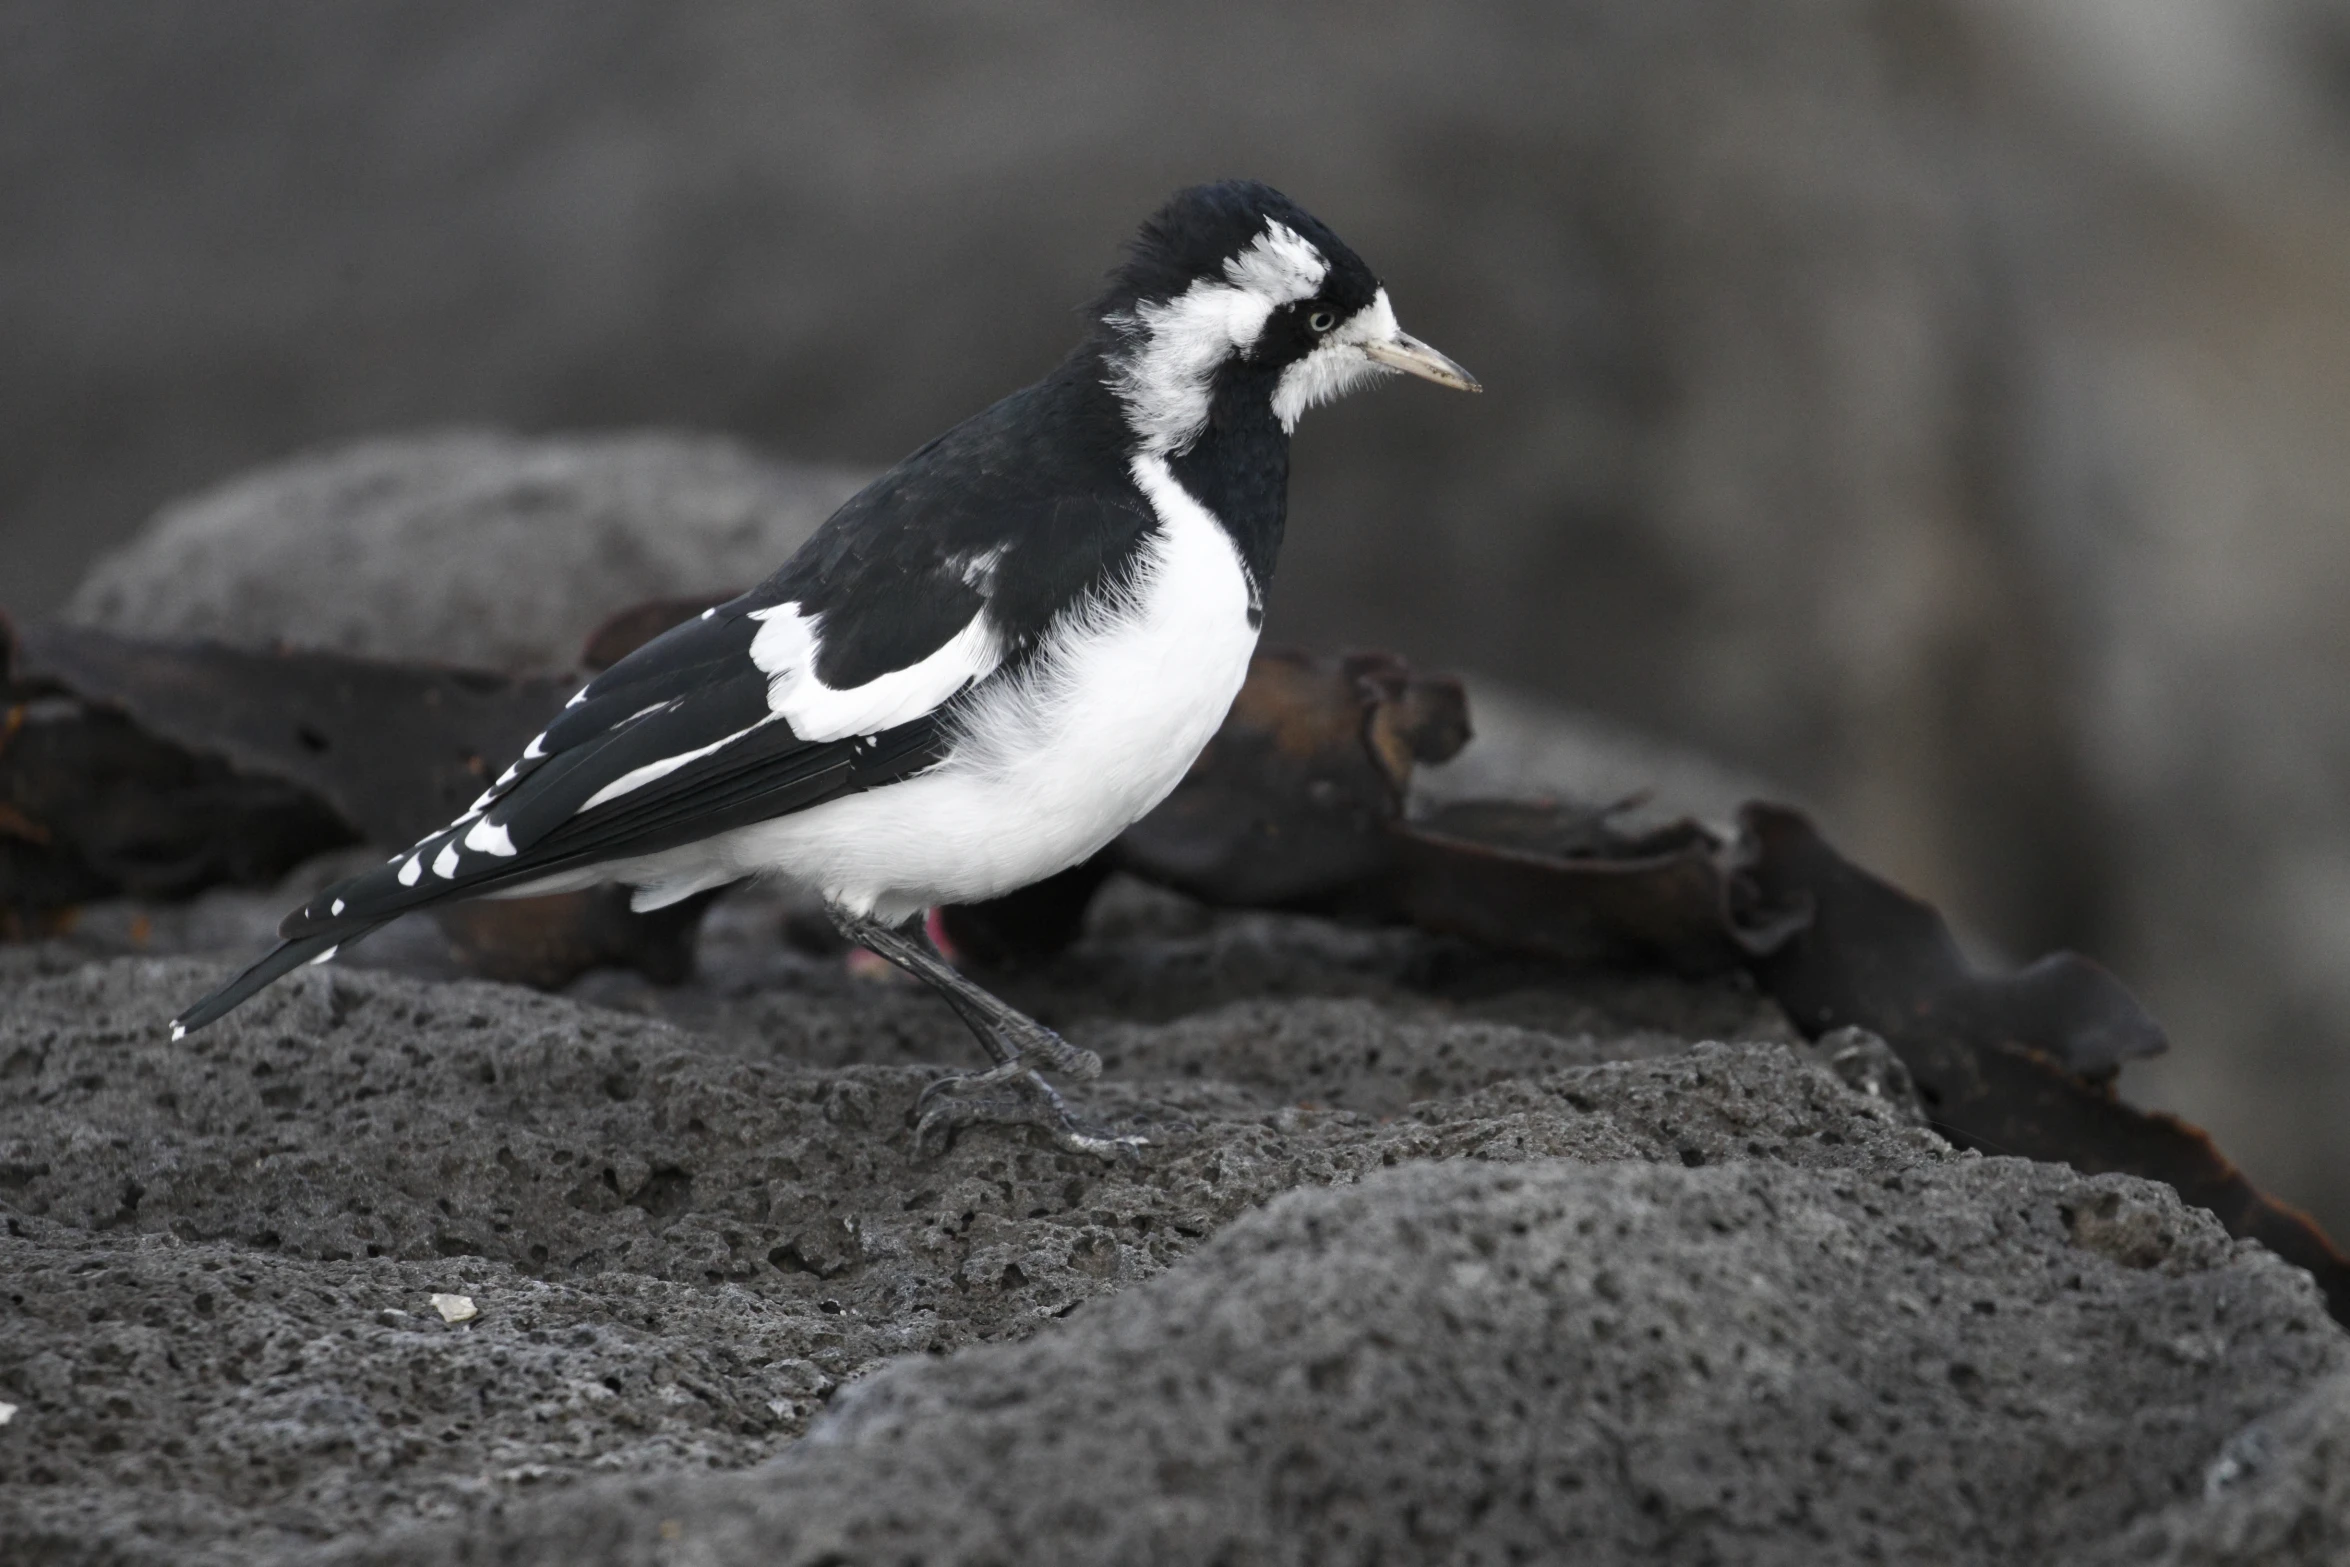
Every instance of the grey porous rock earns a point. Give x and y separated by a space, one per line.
1541 1361
465 547
1432 1257
2277 1494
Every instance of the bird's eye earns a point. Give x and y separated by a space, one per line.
1321 321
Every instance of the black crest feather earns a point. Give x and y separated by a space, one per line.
1203 226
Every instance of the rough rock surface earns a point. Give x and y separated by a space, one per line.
1548 1361
1722 1305
467 547
2277 1494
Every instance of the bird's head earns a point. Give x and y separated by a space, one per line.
1235 282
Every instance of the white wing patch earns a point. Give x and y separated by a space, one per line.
785 650
638 777
977 569
486 838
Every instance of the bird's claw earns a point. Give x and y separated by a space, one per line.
1035 1050
1021 1098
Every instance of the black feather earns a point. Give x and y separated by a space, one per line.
288 957
1031 498
1202 227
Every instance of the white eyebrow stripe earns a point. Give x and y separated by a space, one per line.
1282 266
1166 375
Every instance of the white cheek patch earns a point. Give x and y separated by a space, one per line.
1168 376
1338 366
785 650
1167 380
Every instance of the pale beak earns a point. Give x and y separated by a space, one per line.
1407 353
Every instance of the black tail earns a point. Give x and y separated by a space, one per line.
290 955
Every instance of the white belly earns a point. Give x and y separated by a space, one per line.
1053 763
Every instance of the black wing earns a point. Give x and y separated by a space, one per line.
1026 508
693 693
1016 514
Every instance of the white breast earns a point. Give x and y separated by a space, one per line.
1050 765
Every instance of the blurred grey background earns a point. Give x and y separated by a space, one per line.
1941 407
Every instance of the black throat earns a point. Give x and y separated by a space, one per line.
1238 468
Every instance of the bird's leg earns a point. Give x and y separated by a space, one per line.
1013 1090
1015 1040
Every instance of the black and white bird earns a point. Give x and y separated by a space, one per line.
977 672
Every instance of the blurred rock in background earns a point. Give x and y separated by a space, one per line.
463 547
1939 406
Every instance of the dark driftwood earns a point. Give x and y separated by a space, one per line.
2011 1064
158 770
394 749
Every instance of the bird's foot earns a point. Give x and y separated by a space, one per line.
1012 1095
1024 1049
1037 1048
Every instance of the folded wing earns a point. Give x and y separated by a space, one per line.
690 736
836 675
